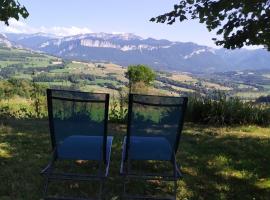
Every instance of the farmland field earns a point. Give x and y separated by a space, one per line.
24 58
109 77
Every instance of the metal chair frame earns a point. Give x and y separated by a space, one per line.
48 171
125 169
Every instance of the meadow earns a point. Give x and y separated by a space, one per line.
217 163
108 77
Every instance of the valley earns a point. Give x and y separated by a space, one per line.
56 72
129 49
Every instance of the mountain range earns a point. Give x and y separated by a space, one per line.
126 49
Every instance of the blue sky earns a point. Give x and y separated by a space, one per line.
67 17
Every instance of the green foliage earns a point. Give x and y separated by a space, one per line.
263 99
20 111
38 98
11 9
22 99
226 111
13 87
140 73
240 22
25 99
118 108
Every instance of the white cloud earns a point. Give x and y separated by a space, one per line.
22 27
118 33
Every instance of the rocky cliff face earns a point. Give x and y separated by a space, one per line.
4 41
126 49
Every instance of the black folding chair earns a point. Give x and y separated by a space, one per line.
153 133
78 129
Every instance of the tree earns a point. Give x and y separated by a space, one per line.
11 9
263 99
241 22
140 73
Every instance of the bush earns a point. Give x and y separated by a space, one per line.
118 108
263 99
22 99
18 112
226 111
140 73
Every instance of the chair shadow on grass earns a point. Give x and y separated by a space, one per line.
214 166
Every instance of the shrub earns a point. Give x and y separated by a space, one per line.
226 111
118 108
16 112
140 73
263 99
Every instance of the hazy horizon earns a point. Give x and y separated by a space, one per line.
64 18
72 18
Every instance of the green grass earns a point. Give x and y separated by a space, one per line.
218 163
250 95
102 81
56 83
34 61
267 87
24 58
31 62
23 76
60 71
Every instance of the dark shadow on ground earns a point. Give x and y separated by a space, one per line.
215 166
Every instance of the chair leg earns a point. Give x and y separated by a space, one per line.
175 189
101 189
125 182
126 170
47 181
175 171
45 189
124 188
101 180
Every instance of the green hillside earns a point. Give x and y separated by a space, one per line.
11 57
108 77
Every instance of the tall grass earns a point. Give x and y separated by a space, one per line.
22 108
223 110
217 109
119 107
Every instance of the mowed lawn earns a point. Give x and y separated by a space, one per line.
218 163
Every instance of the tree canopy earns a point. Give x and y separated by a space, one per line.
241 22
140 73
11 9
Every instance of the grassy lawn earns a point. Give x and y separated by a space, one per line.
218 163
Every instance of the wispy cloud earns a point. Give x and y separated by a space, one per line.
22 27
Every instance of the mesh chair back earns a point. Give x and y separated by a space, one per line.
156 116
77 113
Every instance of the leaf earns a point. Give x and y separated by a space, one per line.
12 9
153 19
182 18
226 16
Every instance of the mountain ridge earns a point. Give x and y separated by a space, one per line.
126 49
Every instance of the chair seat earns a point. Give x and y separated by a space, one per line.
149 148
80 147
